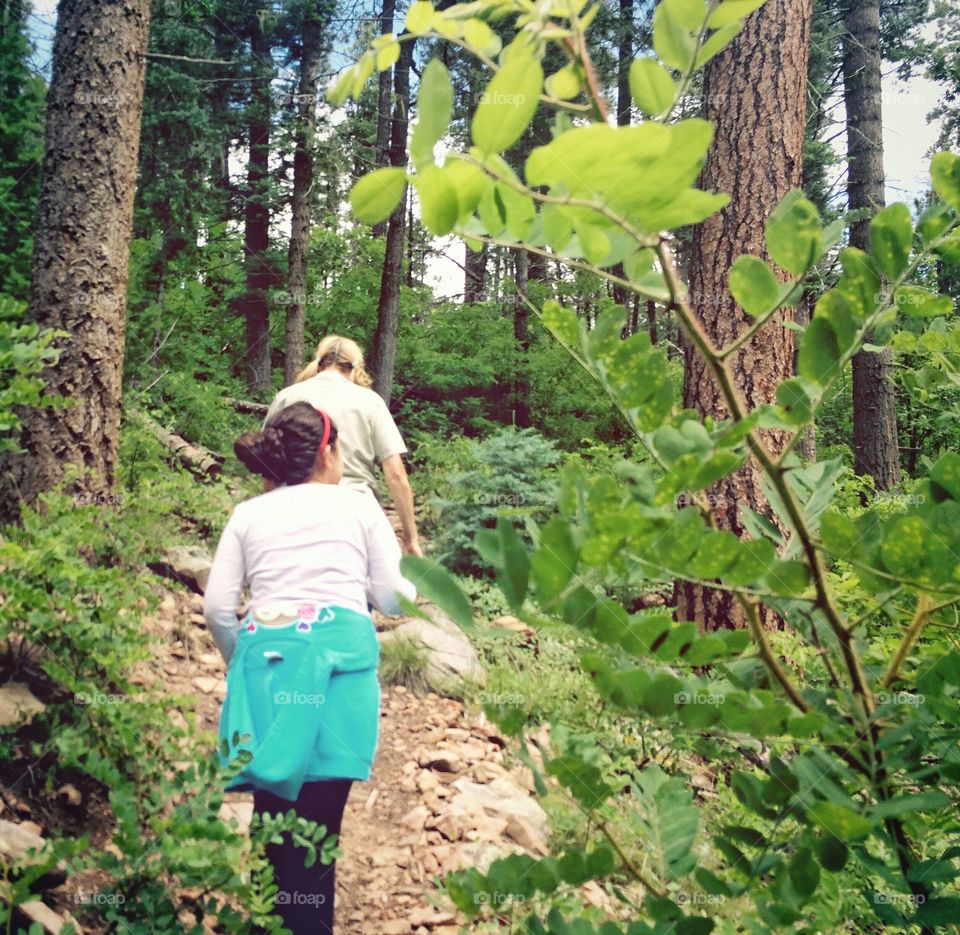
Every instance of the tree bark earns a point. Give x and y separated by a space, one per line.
255 303
875 440
384 350
82 245
382 153
624 57
521 335
301 208
755 94
475 275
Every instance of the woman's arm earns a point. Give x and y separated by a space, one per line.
222 594
396 476
383 564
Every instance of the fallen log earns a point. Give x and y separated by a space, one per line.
248 407
195 458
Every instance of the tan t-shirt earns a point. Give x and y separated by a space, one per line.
366 429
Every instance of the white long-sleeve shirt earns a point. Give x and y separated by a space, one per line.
306 542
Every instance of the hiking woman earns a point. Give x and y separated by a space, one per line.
301 681
337 382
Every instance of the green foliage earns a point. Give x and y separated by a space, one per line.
403 661
859 794
510 475
25 351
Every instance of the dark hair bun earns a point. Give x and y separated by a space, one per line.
262 452
286 450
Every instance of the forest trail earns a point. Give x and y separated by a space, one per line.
440 796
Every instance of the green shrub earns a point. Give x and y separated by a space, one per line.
403 661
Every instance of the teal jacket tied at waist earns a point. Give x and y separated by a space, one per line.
303 696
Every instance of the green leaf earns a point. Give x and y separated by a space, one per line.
922 303
468 181
388 53
820 355
419 17
934 223
753 285
832 853
794 233
651 87
840 537
945 174
436 584
434 109
891 234
672 41
375 196
564 84
439 208
945 477
804 872
932 800
687 13
941 911
792 397
508 104
478 34
840 821
717 42
732 10
563 322
553 564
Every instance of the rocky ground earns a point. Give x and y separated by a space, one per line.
442 794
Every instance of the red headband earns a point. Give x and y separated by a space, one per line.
326 428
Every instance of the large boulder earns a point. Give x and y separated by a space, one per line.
188 564
17 704
450 654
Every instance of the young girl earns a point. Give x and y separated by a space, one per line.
301 679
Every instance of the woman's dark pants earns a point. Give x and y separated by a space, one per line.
306 894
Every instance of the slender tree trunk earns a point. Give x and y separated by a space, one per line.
807 446
624 57
755 94
384 350
521 335
382 154
256 300
475 275
310 59
82 245
652 320
875 441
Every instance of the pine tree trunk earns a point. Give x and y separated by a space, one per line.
521 335
311 56
256 300
475 275
382 154
384 350
755 94
82 244
875 442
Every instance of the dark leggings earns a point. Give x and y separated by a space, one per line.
306 894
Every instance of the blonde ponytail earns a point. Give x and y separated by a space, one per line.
343 353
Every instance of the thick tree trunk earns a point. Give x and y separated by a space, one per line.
382 154
755 94
82 244
256 300
384 350
875 441
521 335
475 275
310 59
